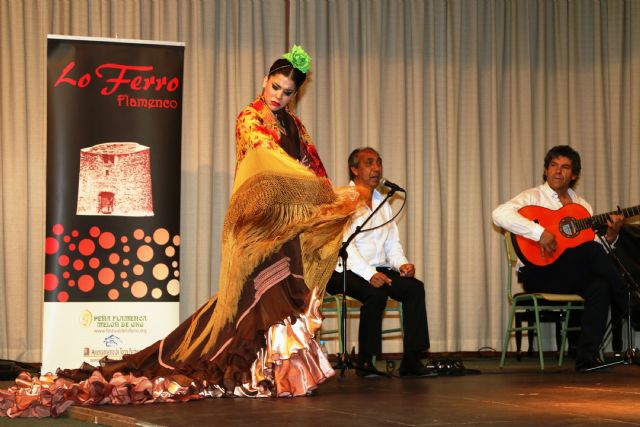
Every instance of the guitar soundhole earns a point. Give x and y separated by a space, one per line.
567 227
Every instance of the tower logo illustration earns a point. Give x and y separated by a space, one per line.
115 179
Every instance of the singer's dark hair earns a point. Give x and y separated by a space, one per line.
354 159
564 151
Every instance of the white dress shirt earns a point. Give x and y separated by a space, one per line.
506 215
377 248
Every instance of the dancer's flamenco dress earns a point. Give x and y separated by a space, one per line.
281 235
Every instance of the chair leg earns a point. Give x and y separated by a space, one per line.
565 335
538 335
519 336
530 319
559 327
507 335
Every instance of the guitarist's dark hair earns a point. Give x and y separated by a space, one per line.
564 151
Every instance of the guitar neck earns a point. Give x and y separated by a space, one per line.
601 219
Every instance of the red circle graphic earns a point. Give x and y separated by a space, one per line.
51 246
107 240
78 264
85 283
86 247
94 231
106 276
50 281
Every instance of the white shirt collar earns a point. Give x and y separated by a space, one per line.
552 193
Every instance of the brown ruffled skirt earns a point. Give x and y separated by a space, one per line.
267 350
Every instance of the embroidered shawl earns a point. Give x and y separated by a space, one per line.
274 199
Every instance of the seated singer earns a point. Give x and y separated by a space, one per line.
585 270
377 270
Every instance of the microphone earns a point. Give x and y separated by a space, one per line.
391 185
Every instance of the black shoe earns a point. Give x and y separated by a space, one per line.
366 369
589 364
412 366
415 370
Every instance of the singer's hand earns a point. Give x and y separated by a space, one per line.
547 243
407 270
379 279
614 224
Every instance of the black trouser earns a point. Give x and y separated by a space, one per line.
408 290
588 271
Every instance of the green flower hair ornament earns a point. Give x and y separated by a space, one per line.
298 58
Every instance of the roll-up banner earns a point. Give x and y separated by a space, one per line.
112 244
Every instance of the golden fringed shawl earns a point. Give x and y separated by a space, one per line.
274 199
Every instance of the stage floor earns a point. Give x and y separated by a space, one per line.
518 395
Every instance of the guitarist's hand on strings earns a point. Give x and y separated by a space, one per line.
614 224
547 243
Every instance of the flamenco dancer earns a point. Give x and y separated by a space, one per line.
281 235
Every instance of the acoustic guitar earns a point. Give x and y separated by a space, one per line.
571 224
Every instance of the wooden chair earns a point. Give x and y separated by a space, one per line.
332 306
533 308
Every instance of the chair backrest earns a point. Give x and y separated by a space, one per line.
512 258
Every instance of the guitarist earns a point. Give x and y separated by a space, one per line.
585 270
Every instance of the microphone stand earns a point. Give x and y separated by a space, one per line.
631 355
344 361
